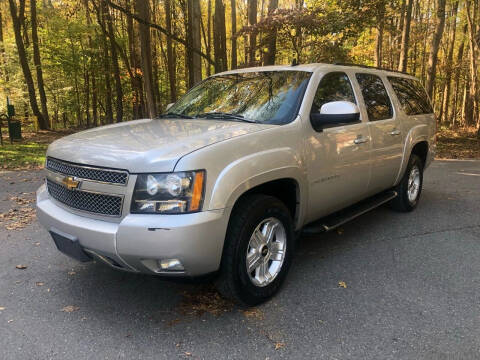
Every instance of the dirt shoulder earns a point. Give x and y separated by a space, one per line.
458 144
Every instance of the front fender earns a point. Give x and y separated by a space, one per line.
255 169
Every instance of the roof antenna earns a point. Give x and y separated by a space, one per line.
294 62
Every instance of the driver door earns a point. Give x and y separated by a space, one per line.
338 157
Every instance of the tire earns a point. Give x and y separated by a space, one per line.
256 213
408 197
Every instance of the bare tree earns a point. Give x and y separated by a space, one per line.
42 123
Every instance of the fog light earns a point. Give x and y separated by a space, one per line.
171 265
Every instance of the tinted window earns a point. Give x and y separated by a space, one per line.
334 86
411 95
270 97
375 96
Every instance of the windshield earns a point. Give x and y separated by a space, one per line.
268 97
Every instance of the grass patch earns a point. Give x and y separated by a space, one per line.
22 156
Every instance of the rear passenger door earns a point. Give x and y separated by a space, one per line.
385 130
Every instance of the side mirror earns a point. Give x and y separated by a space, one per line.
335 113
169 106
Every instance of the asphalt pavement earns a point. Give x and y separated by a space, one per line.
385 286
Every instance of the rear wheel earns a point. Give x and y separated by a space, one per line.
410 187
258 250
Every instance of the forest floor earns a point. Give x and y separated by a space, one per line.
29 153
458 144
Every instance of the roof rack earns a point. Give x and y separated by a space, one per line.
371 67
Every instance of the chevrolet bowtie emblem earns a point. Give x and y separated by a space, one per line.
70 182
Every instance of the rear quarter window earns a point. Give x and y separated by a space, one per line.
412 96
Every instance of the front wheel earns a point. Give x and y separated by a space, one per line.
410 187
258 250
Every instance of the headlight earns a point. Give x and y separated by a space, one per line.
172 193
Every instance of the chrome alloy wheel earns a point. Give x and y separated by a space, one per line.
413 184
266 252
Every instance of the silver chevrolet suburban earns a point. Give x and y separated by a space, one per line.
228 177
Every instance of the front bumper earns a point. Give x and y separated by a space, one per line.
138 241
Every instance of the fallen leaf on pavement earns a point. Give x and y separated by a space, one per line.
70 308
342 284
17 219
253 313
279 345
21 267
206 300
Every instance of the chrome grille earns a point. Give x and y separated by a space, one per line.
102 204
85 172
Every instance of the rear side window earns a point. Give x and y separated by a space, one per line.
375 96
334 86
411 95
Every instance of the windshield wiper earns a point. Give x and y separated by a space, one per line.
174 115
223 115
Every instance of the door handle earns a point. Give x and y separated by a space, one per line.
394 132
360 140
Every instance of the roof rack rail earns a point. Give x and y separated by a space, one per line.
370 67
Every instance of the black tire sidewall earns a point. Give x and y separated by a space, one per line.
264 208
414 161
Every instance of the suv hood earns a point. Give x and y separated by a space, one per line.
146 145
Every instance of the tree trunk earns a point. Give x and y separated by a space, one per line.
170 62
233 5
42 123
437 36
220 38
402 64
37 61
91 75
449 63
107 69
136 81
456 80
271 39
194 37
2 53
473 65
252 20
116 68
142 9
379 37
